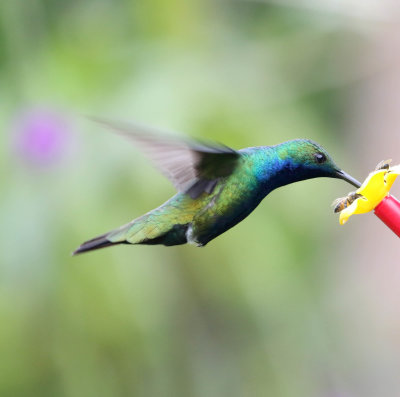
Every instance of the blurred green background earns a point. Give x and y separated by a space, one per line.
288 303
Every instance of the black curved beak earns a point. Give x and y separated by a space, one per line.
348 178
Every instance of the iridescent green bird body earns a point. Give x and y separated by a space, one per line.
198 220
224 188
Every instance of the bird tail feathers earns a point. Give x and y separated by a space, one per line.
134 232
143 230
96 243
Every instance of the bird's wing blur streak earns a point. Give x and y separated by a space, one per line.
193 167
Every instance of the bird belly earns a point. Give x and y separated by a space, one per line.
229 205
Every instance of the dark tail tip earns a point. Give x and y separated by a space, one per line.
94 244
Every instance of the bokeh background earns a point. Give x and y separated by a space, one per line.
288 303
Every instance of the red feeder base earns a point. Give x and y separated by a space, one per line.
388 211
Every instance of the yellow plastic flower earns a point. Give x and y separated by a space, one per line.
372 191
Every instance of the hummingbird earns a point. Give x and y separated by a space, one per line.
217 186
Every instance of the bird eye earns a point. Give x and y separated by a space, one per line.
320 157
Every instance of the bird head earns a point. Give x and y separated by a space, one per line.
307 159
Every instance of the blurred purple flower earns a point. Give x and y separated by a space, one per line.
41 136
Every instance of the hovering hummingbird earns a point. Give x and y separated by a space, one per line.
217 186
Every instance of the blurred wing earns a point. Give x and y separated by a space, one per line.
192 167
